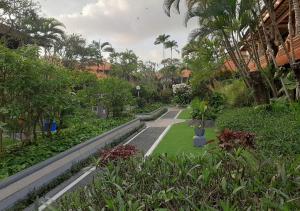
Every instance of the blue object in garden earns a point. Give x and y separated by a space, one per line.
53 127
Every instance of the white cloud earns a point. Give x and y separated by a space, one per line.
131 24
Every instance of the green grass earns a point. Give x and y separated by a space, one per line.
180 140
186 114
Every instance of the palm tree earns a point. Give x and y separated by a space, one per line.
225 18
173 45
98 49
47 31
161 40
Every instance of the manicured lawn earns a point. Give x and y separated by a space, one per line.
186 114
180 140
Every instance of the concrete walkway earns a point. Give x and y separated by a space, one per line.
145 141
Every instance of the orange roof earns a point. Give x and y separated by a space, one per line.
186 73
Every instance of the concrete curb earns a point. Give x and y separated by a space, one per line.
99 141
42 164
153 115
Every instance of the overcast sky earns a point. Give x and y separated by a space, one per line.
126 24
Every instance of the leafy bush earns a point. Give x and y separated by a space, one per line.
277 131
236 93
148 108
213 181
18 158
166 96
115 95
182 93
229 140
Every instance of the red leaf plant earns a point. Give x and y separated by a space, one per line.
116 153
229 139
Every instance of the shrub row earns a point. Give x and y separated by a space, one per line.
21 157
276 127
216 181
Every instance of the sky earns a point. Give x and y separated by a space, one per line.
126 24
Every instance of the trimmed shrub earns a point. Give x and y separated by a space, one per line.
277 130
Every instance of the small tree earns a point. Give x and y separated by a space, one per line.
115 94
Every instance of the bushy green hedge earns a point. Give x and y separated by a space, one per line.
148 108
277 127
21 157
212 181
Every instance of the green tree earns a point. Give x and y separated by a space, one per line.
161 40
115 94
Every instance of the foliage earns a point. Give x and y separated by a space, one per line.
117 153
211 181
115 94
80 128
236 93
166 96
229 140
182 94
148 108
276 127
124 64
199 110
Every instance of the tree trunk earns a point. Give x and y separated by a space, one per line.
270 49
259 88
296 7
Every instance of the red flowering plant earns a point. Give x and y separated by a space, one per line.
229 140
116 153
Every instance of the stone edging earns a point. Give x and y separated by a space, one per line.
45 163
153 115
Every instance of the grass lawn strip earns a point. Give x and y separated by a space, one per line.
186 114
180 140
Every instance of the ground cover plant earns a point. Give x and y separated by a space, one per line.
209 181
116 153
18 157
180 140
276 127
148 108
229 140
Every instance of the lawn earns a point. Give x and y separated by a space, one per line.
186 114
180 140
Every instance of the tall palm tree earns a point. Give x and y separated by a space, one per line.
47 31
173 45
98 49
161 40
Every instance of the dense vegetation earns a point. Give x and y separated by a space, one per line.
276 127
216 180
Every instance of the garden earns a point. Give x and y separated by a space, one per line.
237 146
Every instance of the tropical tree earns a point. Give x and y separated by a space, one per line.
161 40
173 45
46 32
225 19
97 49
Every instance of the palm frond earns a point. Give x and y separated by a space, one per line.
168 4
200 32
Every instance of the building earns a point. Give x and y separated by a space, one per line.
101 71
293 44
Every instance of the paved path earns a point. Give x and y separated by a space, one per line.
144 141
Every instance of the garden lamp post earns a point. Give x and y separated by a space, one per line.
138 89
